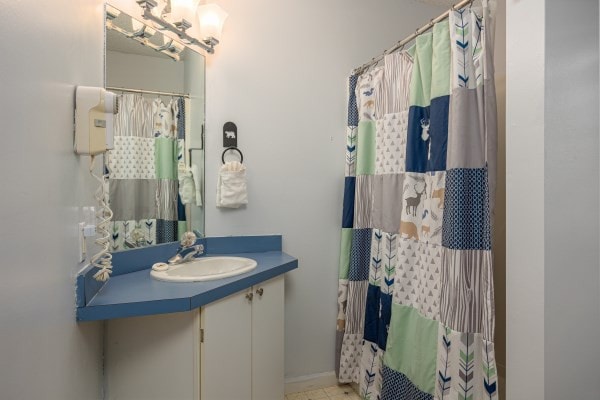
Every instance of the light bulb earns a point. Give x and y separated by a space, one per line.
183 9
211 18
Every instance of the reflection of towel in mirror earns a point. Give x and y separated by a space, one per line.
187 191
197 184
231 185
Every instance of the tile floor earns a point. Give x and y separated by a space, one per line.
343 392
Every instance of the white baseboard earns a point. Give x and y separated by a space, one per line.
310 382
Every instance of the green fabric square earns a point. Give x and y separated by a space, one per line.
412 346
440 74
420 84
345 252
165 158
366 146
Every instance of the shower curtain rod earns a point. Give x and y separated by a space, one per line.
400 44
141 91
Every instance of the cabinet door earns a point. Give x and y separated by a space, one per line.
226 366
153 357
268 340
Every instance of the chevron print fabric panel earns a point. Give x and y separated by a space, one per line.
351 142
466 366
371 364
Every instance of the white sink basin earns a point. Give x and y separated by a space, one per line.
205 269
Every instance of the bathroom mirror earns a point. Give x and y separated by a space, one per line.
156 169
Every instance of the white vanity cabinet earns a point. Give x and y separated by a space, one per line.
231 349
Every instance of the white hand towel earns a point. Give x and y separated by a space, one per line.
197 184
231 185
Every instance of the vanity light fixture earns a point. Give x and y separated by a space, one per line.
179 9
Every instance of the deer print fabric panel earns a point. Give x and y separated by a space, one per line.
416 300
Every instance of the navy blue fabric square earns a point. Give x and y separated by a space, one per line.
385 301
166 231
352 108
416 147
372 314
180 210
360 255
466 224
427 136
438 129
396 386
378 312
348 210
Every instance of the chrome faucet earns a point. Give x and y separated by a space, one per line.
187 250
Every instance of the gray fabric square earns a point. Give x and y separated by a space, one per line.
363 201
387 202
468 131
133 199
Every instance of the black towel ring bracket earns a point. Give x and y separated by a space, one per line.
234 149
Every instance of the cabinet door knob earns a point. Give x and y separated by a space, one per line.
249 296
259 291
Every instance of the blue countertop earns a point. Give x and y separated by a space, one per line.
137 293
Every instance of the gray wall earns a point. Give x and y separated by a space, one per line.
48 48
553 282
280 74
572 313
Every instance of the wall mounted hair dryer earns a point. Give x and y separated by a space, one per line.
94 111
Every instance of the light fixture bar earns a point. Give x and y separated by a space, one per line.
179 28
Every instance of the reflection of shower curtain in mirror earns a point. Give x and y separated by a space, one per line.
143 169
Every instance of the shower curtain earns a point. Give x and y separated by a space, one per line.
143 172
415 299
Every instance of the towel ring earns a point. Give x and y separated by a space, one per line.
232 148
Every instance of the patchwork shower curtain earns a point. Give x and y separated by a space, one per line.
143 172
415 300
